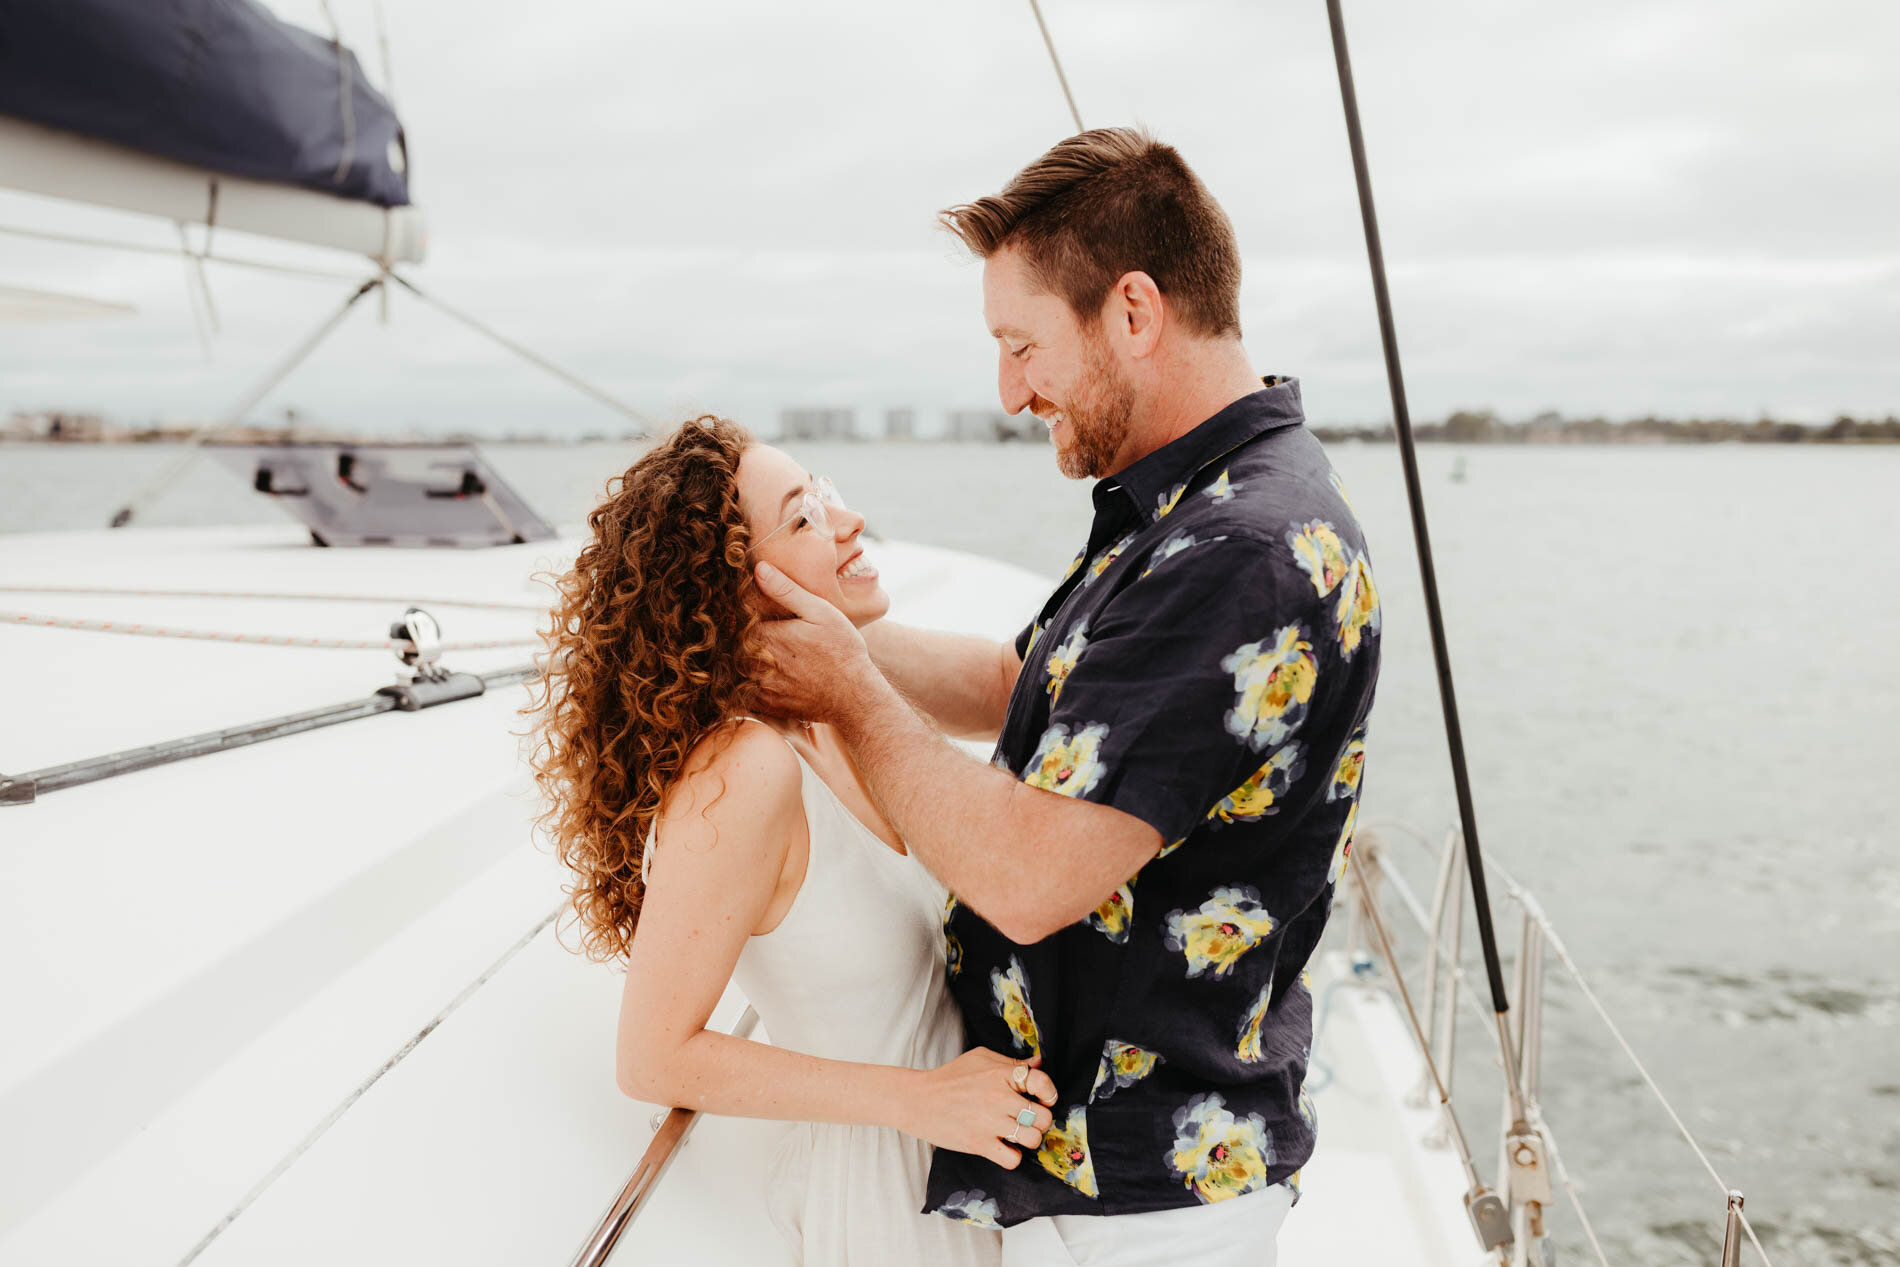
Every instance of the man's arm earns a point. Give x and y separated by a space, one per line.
962 682
1027 860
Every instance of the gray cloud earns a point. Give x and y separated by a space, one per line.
1630 207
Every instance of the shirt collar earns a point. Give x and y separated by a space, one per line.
1151 481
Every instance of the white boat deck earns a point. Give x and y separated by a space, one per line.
205 960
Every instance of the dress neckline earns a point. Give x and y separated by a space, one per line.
883 845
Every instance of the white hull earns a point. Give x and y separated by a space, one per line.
207 959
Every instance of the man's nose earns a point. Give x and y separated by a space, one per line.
1011 385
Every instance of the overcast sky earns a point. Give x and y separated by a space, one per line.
1631 206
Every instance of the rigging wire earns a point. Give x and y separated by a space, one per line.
532 357
282 371
193 283
382 43
141 248
1057 63
346 94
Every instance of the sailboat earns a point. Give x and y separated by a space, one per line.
283 975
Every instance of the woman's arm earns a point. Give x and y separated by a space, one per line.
728 830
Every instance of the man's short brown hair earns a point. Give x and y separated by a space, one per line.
1109 202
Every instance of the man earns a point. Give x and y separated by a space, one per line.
1142 872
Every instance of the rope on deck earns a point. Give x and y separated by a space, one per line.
397 599
40 620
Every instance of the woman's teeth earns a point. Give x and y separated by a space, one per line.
858 567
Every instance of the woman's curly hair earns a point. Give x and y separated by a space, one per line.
654 645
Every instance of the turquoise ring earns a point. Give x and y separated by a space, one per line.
1026 1118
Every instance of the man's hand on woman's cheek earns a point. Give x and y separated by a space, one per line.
819 667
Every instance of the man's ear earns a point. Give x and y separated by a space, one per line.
1137 313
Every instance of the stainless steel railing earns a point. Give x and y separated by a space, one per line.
671 1130
1529 1159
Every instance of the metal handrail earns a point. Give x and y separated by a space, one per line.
668 1137
25 788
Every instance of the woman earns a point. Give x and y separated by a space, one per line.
710 845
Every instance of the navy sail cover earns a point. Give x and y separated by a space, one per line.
220 84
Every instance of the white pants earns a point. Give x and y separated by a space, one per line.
1244 1229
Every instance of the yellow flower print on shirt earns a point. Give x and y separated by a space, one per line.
1065 1152
1063 658
1166 502
1106 557
1074 563
1254 799
1222 490
1320 554
1113 917
1343 849
1123 1065
1347 773
975 1207
1035 632
1358 608
1274 685
952 948
1229 924
1217 1155
1065 765
1009 999
1167 550
1339 486
1169 848
1249 1047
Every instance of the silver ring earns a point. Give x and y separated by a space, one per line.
1026 1118
1012 1137
1019 1078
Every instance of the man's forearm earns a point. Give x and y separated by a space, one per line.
961 681
1028 861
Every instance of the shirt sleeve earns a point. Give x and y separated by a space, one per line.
1188 692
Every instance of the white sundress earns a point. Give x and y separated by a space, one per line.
855 971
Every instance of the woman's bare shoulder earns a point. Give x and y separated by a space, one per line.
743 777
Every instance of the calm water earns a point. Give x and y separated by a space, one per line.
1681 697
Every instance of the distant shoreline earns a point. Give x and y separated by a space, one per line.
1464 427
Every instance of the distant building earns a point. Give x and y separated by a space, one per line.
995 427
73 428
975 424
900 424
818 424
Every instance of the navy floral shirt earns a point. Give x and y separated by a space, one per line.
1207 665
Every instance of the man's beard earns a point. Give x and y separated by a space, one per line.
1099 410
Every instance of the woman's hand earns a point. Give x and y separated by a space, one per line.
971 1105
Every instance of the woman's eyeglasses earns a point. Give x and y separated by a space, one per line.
812 507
